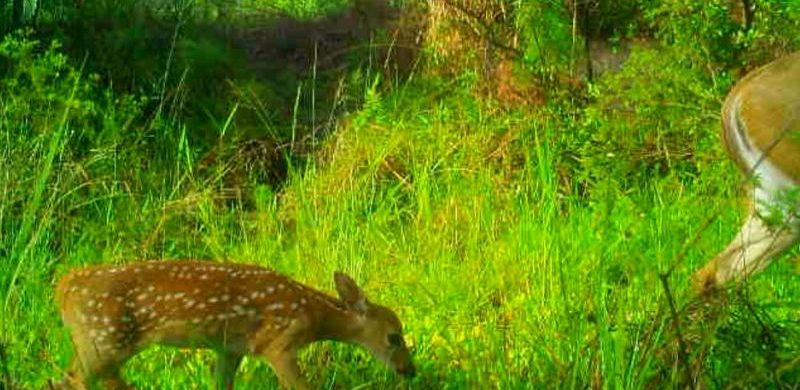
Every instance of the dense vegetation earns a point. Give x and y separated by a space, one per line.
529 184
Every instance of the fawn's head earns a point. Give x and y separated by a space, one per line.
377 328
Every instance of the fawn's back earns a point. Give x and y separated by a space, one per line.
183 303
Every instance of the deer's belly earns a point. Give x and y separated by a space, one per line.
185 334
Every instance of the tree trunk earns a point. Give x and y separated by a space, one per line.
587 36
17 13
749 13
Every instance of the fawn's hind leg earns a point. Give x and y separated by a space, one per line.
97 364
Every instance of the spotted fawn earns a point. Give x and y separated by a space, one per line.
113 312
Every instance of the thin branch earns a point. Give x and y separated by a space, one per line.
6 381
491 34
683 356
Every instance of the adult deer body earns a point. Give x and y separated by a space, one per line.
761 132
112 312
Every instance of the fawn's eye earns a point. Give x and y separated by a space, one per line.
395 339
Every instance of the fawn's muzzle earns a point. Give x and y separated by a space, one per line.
407 371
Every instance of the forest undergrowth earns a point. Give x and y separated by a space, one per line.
530 185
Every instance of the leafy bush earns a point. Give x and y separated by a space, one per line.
657 117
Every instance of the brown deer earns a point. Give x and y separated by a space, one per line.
761 132
113 312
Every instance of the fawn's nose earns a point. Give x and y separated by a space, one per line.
408 371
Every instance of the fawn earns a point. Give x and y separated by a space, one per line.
113 312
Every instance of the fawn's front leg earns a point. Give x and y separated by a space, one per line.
284 362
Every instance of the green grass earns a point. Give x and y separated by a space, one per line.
504 271
301 8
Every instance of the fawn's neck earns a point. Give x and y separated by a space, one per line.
335 321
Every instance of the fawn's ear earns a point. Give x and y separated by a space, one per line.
350 293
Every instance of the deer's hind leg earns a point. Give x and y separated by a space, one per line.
753 248
97 361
